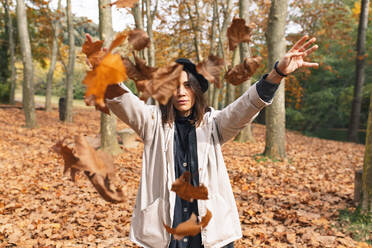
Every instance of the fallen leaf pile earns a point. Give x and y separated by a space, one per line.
290 203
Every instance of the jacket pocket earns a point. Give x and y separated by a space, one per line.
221 226
151 229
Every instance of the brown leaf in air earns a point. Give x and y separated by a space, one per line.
119 38
89 47
124 3
110 71
138 39
242 72
239 32
69 158
93 51
211 69
190 227
97 166
92 160
165 80
138 71
188 192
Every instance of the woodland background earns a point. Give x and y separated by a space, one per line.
316 103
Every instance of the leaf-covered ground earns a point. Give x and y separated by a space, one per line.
291 203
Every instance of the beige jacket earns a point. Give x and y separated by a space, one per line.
155 201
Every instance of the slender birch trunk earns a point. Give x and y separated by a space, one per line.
13 74
71 63
109 142
246 134
212 48
149 19
53 61
28 87
275 113
227 8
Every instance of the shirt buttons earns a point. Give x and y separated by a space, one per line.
184 164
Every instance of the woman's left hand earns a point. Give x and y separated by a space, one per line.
294 58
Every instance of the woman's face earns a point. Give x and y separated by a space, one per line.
184 97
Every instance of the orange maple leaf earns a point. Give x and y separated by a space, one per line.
111 70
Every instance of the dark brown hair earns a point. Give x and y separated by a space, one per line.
198 110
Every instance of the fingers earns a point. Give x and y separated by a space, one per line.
310 64
299 43
307 44
89 38
310 50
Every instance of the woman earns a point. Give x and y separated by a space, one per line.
185 135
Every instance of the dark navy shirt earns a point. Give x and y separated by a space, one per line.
186 159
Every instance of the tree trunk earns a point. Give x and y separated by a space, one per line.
109 142
53 61
246 134
275 114
138 20
28 88
195 22
150 18
137 15
230 89
70 65
13 73
367 168
359 73
212 47
227 8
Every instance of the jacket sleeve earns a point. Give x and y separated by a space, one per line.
238 114
134 112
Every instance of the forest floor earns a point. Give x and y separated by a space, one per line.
296 202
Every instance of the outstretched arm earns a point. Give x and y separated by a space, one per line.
237 115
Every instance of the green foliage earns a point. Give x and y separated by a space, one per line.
4 61
356 223
59 85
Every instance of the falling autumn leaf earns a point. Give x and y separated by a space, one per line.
68 157
191 227
97 166
211 69
164 82
188 192
93 51
119 39
138 39
242 72
124 3
239 32
138 71
110 71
